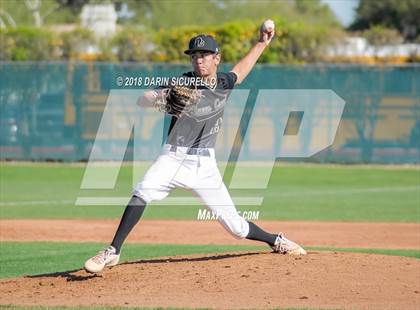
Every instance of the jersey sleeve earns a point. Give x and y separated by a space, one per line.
227 80
232 78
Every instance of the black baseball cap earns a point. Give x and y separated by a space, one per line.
202 43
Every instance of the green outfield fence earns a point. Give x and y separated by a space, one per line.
51 111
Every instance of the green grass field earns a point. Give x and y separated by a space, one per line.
295 192
34 258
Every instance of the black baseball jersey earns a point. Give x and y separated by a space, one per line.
200 130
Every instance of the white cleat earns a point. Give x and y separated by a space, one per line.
285 246
106 257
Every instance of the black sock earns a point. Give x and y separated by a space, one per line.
131 216
256 233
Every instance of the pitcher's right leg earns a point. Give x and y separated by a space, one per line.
156 185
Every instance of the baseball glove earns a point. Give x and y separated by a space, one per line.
179 100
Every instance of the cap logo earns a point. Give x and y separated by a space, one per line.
199 42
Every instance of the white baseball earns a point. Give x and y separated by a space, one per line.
268 25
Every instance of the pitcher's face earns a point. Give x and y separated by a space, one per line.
205 63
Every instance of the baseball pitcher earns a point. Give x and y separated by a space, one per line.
187 159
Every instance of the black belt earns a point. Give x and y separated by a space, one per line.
193 151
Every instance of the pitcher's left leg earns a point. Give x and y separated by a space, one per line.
219 202
215 196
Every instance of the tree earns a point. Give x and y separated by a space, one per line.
378 35
402 15
74 5
157 14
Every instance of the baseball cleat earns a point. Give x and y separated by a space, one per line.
285 246
106 257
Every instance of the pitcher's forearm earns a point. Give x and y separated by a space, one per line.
245 65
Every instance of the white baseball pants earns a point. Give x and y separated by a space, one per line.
196 173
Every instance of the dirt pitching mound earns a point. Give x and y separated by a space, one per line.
237 280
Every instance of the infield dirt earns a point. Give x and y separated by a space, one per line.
323 234
236 280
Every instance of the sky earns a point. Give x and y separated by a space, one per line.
343 9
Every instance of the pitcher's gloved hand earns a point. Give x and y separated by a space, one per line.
178 100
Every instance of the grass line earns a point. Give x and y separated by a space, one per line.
47 257
405 253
